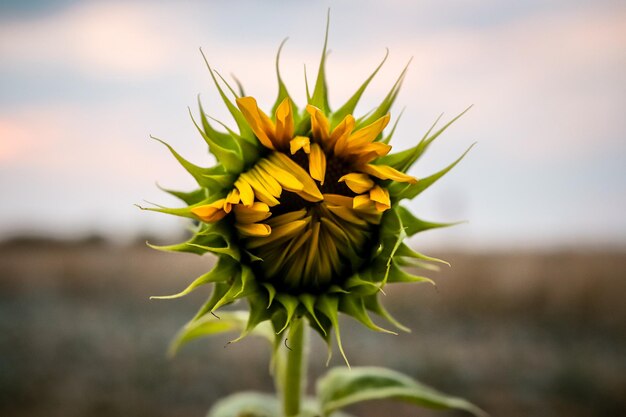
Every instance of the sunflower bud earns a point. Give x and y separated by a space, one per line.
303 209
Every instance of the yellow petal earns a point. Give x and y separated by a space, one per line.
255 213
266 180
309 192
385 172
317 163
320 128
338 200
300 142
361 137
254 229
233 197
366 154
346 214
245 191
259 122
362 201
312 250
370 132
357 182
284 124
283 219
381 197
284 178
279 233
342 131
212 212
260 191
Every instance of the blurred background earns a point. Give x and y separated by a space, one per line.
530 319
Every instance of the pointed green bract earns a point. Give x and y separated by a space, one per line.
190 197
319 98
384 107
282 88
400 191
413 225
223 271
350 105
244 129
402 161
235 321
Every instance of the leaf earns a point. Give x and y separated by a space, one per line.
342 387
256 404
247 404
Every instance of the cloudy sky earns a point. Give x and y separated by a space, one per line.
83 84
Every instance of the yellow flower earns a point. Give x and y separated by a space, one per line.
303 210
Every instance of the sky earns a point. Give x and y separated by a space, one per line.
84 84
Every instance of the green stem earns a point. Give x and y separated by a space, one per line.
295 372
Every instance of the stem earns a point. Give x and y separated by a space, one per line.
295 372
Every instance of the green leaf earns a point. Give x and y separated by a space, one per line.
350 105
342 387
224 270
256 404
247 404
399 191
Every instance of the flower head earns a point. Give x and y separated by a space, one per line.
303 209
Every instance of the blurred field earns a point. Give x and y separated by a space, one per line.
519 334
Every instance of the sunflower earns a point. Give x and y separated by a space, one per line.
303 209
